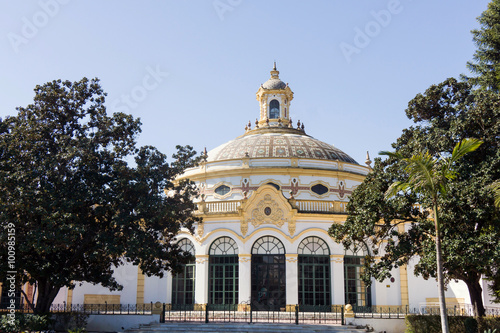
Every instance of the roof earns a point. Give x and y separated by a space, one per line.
277 143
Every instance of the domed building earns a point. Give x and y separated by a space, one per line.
268 198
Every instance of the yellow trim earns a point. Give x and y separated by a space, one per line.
245 239
140 287
403 278
69 299
245 172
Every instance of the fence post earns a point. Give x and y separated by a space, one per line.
342 319
296 314
250 305
206 313
162 316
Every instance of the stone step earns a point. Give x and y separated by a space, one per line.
242 328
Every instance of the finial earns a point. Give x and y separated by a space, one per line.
267 121
279 122
205 154
274 67
302 127
256 123
368 161
298 124
290 124
246 128
249 125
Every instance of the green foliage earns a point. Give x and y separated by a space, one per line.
432 324
444 115
486 64
77 206
489 323
25 322
470 325
65 321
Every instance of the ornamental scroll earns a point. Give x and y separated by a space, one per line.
267 206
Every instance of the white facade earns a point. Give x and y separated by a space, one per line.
268 200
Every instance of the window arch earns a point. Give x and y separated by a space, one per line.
314 273
268 245
313 246
274 109
186 245
223 246
223 272
183 282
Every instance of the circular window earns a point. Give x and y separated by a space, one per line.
222 190
267 210
319 189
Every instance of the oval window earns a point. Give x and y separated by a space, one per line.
222 190
319 189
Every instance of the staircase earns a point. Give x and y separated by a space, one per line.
193 327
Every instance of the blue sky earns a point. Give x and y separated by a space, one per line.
190 69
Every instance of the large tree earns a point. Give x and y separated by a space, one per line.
486 62
444 115
429 176
81 199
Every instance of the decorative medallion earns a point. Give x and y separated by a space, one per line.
267 212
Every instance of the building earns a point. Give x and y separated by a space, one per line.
268 198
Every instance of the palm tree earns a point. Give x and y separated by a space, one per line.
430 176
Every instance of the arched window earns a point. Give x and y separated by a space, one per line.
314 273
183 282
223 272
268 274
357 293
274 109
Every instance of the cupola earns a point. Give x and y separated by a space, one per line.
274 97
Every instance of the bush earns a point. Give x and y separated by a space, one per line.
458 324
24 322
488 323
470 325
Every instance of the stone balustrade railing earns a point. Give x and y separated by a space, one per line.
303 206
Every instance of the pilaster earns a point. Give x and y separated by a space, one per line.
201 279
292 278
337 278
244 278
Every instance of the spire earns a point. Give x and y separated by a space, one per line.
275 73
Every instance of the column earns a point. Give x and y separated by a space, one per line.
337 278
292 281
201 279
244 280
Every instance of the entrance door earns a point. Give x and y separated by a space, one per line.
268 274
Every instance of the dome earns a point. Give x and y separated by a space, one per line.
273 143
274 83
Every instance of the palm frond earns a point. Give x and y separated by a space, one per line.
495 187
463 147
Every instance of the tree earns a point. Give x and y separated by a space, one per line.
429 177
76 208
486 62
445 114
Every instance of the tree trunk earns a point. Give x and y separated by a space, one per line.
46 295
476 297
439 261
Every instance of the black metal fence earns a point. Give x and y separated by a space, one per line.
248 313
402 311
243 312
